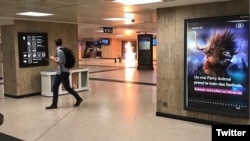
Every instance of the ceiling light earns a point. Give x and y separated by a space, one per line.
99 31
128 32
35 14
114 19
137 2
129 18
126 20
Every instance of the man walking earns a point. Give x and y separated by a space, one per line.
62 76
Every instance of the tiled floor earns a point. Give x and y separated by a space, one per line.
120 106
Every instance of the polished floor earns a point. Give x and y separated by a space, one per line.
120 105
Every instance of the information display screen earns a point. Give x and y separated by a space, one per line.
216 65
154 42
145 47
33 49
105 41
145 42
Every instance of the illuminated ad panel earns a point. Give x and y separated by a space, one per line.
145 41
216 65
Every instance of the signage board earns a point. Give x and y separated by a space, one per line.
33 49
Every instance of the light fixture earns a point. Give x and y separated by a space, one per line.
137 2
128 32
35 14
128 18
114 19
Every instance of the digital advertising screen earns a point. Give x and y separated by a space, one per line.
145 50
145 41
33 49
217 65
154 42
105 41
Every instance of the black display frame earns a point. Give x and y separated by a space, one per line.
145 52
33 49
209 99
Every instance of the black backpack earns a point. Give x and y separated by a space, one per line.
69 57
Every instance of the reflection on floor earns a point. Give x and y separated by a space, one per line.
120 106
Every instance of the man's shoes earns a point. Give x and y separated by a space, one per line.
51 107
78 102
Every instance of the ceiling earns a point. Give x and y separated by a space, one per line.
89 15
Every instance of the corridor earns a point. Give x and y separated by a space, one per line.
119 106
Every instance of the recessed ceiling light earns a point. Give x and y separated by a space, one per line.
35 14
99 31
137 2
114 19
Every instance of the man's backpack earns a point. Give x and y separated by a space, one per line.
69 57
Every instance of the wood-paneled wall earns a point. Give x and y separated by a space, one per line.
18 81
112 50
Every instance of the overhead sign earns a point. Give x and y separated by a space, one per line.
107 30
